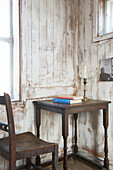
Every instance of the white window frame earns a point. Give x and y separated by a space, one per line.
96 36
14 54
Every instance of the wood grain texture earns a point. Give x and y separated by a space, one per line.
56 41
90 54
50 38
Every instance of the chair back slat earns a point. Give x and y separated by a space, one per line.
4 127
10 127
6 100
10 116
2 100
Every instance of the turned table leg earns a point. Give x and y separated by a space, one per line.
38 123
65 135
65 154
75 145
105 124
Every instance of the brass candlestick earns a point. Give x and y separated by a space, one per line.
85 82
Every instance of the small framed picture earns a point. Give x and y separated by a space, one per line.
106 69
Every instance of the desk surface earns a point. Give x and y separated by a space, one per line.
89 105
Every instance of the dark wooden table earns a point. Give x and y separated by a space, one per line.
65 110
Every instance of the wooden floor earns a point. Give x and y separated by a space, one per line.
75 165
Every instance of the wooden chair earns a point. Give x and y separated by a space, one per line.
24 145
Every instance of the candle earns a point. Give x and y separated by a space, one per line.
85 72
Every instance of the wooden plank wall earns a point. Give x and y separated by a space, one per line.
49 34
56 41
48 55
89 54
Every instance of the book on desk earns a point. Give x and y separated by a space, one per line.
66 99
69 97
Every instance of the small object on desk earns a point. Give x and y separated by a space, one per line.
84 97
85 82
67 101
66 96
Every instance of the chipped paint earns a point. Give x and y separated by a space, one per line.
48 65
91 131
56 42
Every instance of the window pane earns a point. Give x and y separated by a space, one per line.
108 17
4 18
105 16
4 68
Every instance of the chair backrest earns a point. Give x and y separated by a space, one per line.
10 127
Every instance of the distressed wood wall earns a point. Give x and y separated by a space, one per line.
56 41
48 29
91 138
48 57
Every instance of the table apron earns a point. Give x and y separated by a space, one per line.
85 109
51 109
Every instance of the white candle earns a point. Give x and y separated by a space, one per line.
85 72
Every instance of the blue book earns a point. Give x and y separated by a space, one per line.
66 101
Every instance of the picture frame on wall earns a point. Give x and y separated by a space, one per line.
106 69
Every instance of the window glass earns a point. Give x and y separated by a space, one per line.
4 67
9 48
4 18
105 16
102 20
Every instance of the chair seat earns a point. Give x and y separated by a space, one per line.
26 142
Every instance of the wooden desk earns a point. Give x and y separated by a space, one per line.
65 110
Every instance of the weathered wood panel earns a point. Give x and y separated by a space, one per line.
35 42
89 54
50 42
48 54
56 43
54 59
57 39
43 43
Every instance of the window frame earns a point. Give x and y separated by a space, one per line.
15 84
19 19
19 53
96 36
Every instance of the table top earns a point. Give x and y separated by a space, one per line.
89 105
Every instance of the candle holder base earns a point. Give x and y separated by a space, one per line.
84 99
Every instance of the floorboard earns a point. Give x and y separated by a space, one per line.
75 165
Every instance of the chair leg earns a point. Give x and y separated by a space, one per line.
28 163
12 167
55 158
12 164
